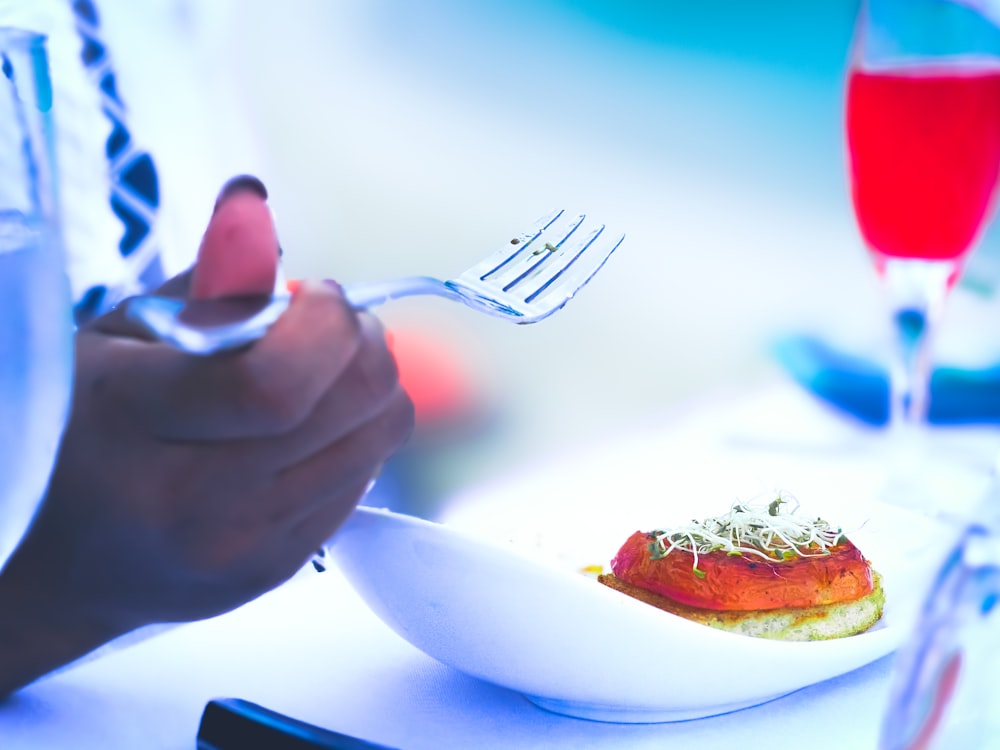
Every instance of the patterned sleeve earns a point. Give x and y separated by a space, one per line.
129 221
131 186
81 130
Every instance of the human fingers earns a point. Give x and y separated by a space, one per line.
265 390
239 252
235 520
117 322
354 458
238 256
314 530
286 553
362 391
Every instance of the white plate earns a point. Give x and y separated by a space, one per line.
528 622
494 591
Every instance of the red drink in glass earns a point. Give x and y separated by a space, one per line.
924 149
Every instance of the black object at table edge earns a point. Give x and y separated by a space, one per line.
236 724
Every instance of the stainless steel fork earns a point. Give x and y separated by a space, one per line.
528 279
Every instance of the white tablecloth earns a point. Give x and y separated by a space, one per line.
313 650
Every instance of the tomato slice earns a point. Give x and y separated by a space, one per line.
746 582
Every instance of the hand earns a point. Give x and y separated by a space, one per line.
186 486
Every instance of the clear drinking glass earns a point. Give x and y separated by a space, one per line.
36 328
944 691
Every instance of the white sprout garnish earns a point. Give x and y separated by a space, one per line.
760 529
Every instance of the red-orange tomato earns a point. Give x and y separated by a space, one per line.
745 582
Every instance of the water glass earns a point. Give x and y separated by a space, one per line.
36 328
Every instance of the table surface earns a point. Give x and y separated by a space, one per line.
314 651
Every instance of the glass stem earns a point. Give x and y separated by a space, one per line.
916 291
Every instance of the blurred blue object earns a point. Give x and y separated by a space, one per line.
860 387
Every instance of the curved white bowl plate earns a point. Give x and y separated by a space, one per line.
569 644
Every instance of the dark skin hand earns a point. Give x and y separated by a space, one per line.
186 486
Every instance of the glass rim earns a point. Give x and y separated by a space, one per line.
958 65
20 36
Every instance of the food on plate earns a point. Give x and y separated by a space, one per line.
758 570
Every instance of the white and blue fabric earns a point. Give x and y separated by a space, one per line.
134 187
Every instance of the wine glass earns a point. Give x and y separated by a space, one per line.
922 123
923 138
36 326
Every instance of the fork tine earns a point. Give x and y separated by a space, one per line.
583 263
517 246
530 264
566 255
535 268
531 267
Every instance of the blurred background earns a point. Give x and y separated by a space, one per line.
402 138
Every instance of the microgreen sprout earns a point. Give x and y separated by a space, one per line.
764 530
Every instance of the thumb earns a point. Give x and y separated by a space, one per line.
239 253
238 257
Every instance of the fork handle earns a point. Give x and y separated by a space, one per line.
365 295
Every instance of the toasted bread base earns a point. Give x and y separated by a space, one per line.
789 624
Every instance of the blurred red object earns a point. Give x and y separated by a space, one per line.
431 372
433 376
453 416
